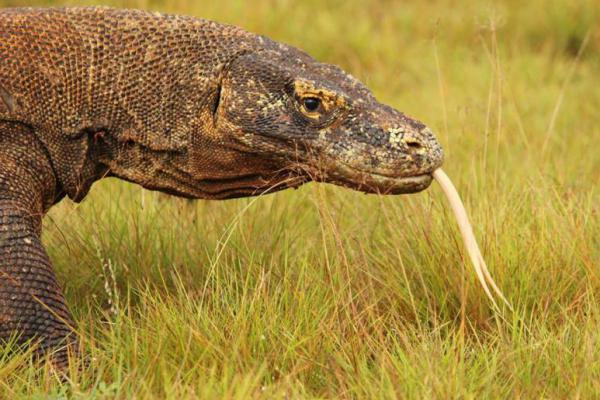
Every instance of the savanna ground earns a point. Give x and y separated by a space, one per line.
327 293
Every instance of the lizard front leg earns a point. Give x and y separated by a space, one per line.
31 302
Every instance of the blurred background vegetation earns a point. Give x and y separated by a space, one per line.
327 293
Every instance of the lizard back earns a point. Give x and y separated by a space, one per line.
142 76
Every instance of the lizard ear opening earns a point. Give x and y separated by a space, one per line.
216 101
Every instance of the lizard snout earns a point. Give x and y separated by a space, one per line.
426 149
413 151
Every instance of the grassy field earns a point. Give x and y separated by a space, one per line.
327 293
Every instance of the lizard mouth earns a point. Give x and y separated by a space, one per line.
376 183
410 184
372 182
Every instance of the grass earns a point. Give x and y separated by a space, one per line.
327 293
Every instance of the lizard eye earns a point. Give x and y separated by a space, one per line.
311 104
317 106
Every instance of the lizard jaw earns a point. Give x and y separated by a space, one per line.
372 182
411 184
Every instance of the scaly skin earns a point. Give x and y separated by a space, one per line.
177 104
31 302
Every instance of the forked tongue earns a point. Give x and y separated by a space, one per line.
483 274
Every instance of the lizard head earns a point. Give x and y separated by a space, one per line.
323 124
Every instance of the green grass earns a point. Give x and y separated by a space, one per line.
327 293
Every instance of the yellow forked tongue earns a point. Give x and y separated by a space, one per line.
468 237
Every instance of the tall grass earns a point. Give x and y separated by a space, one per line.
326 293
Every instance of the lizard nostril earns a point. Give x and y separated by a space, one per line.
413 144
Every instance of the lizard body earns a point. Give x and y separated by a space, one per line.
187 106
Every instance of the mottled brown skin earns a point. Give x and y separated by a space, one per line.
177 104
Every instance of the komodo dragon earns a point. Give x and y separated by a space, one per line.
186 106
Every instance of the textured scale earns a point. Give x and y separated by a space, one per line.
139 75
187 106
31 302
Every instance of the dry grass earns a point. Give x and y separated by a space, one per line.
326 293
